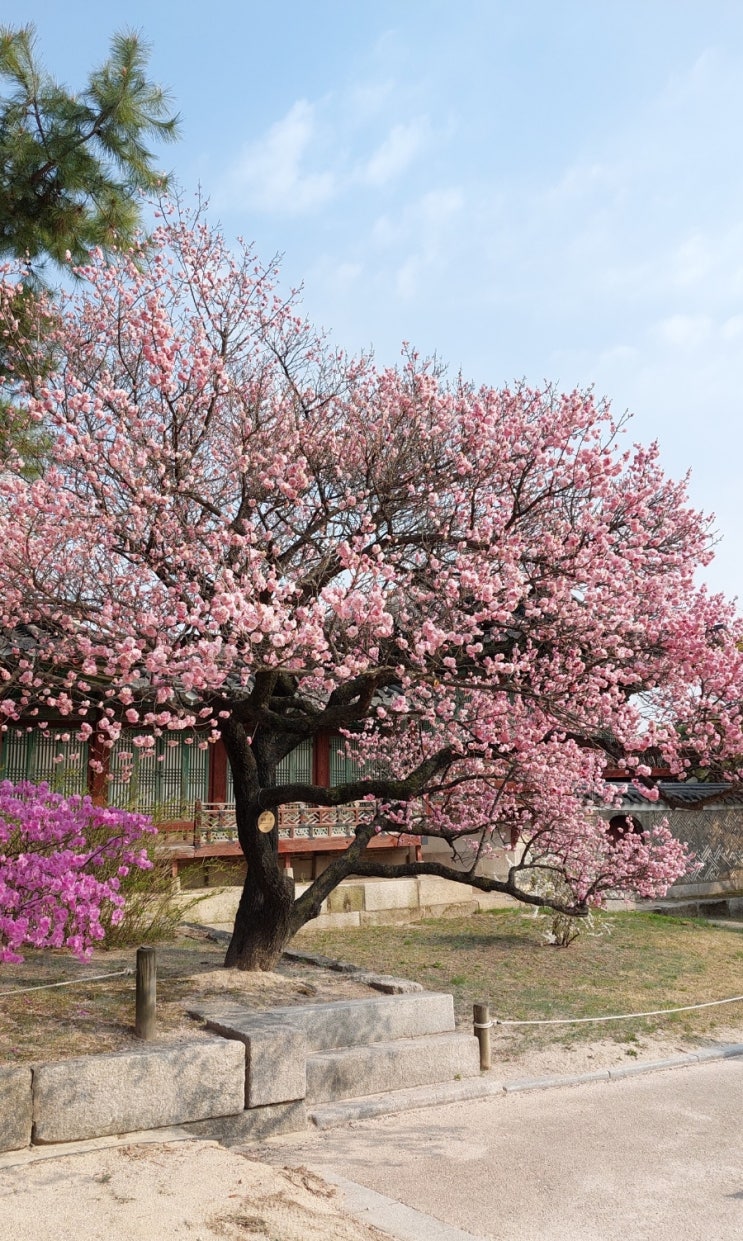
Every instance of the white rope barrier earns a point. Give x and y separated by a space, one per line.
71 982
656 1012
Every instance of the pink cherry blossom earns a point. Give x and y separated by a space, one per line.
242 531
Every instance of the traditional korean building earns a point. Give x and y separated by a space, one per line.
708 817
187 788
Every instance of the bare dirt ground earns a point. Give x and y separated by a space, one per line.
565 1059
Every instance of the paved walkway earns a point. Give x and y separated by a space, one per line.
656 1157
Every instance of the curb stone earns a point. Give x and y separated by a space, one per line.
397 1219
332 1115
718 1053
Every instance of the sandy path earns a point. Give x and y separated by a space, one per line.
174 1191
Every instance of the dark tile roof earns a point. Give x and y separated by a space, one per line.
689 795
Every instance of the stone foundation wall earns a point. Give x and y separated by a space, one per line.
361 902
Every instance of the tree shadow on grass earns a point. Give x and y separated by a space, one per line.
481 939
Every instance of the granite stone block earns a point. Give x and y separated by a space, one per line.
344 1023
16 1107
352 1072
94 1096
275 1057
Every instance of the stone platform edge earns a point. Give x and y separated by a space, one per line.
260 1124
119 1092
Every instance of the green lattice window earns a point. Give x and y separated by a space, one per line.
164 781
346 763
51 755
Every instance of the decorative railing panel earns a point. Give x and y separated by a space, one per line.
215 821
713 833
299 821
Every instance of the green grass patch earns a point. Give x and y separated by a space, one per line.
648 962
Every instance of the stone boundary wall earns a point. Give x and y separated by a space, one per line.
96 1096
389 902
721 889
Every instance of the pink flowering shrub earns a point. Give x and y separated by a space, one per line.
62 861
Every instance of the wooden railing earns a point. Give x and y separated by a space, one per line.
215 821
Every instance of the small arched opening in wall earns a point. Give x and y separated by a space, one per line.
620 825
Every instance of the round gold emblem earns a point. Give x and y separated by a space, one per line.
266 821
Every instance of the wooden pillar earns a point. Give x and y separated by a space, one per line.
482 1025
98 780
321 760
217 772
146 998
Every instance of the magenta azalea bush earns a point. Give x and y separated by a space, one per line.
56 859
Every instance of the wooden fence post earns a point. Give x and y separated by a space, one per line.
146 1001
482 1024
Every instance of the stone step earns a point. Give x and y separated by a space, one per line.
342 1023
354 1072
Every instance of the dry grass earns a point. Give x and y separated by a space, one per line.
91 1017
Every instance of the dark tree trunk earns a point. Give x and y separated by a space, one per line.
263 924
268 915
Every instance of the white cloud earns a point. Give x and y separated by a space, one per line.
320 151
686 331
693 260
386 232
421 221
439 206
618 354
395 153
732 328
270 173
368 99
428 224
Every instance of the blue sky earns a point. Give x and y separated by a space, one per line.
549 190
